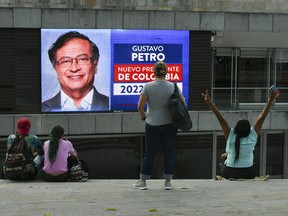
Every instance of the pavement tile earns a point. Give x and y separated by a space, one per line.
117 197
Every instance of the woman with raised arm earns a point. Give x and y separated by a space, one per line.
240 141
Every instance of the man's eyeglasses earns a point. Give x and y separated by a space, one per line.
66 62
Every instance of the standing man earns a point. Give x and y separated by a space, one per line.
75 58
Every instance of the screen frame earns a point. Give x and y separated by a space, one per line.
106 61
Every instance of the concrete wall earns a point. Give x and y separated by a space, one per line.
243 6
233 15
128 123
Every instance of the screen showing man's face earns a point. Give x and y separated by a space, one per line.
125 65
72 77
75 68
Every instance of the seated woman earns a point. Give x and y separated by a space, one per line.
240 141
56 153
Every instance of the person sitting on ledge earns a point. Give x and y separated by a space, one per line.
240 141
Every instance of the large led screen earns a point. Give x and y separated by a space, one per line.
115 64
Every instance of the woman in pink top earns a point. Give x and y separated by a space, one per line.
56 153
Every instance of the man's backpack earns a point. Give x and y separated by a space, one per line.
179 113
18 165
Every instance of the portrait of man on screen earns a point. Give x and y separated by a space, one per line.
75 58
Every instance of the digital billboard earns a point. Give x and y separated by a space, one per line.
118 67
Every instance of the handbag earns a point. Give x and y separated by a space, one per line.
179 113
78 169
76 172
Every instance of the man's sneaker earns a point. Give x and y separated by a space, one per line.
167 184
140 184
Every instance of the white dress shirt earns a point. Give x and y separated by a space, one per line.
67 103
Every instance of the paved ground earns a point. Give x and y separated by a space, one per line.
116 197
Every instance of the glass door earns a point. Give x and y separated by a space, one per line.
280 75
241 76
224 77
253 76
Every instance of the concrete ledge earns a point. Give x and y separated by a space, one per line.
129 122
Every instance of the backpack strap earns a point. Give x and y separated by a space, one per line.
15 141
175 89
21 141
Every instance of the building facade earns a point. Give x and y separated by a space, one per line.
237 50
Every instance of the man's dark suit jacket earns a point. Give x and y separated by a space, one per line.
99 102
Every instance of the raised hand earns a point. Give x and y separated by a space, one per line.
206 95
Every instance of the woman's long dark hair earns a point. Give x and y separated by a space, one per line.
242 129
56 134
